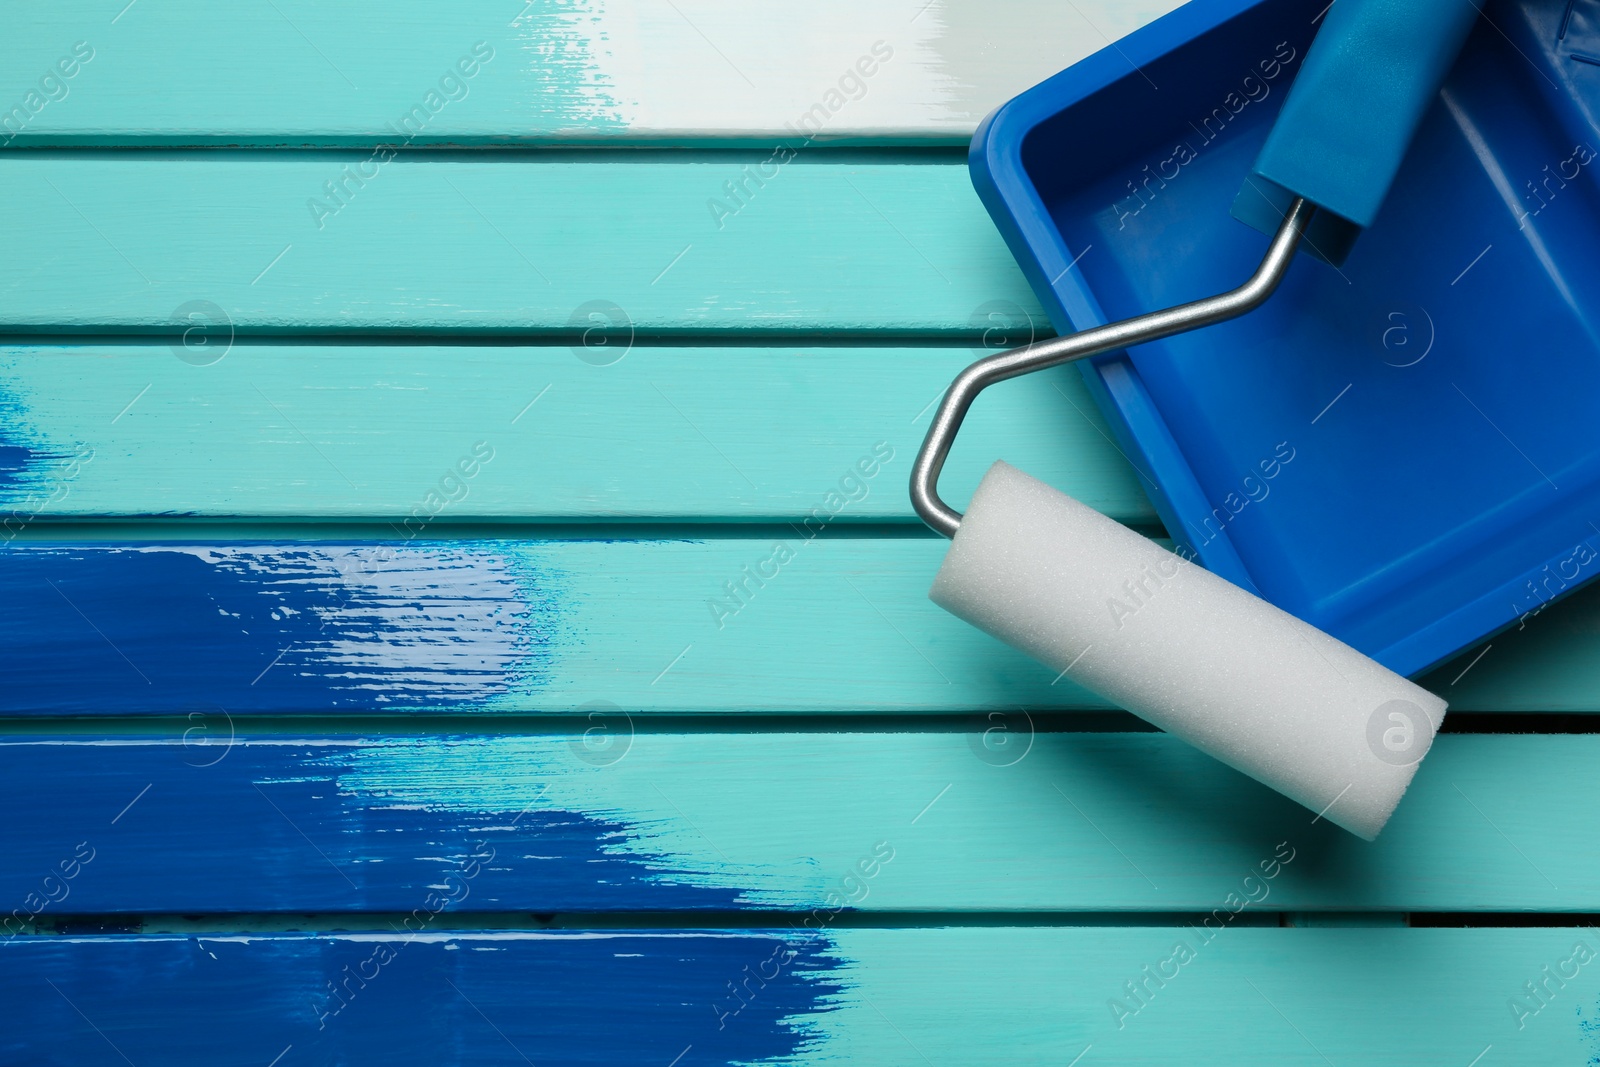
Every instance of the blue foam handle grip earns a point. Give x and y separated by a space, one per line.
1369 76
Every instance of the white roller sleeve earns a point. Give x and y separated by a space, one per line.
1192 653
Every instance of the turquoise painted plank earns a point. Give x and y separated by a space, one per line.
526 243
1544 662
1279 996
626 819
916 997
295 72
707 434
786 622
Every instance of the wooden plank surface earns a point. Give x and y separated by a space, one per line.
344 888
368 432
913 997
826 625
616 817
837 624
530 244
1544 662
296 73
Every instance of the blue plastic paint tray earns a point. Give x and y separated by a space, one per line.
1404 450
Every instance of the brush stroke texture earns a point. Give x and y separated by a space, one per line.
277 627
512 625
619 818
994 996
494 626
465 999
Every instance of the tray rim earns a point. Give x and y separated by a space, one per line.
1002 183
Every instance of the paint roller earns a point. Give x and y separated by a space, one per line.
1148 629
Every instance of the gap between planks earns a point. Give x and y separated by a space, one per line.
68 924
291 726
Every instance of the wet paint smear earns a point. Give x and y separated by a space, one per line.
321 839
273 626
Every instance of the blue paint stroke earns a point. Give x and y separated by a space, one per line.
748 997
545 999
214 822
273 626
31 472
493 782
321 837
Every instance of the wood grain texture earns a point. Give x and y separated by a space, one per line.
912 997
361 432
618 819
528 244
578 71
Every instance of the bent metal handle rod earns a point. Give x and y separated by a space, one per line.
1018 361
